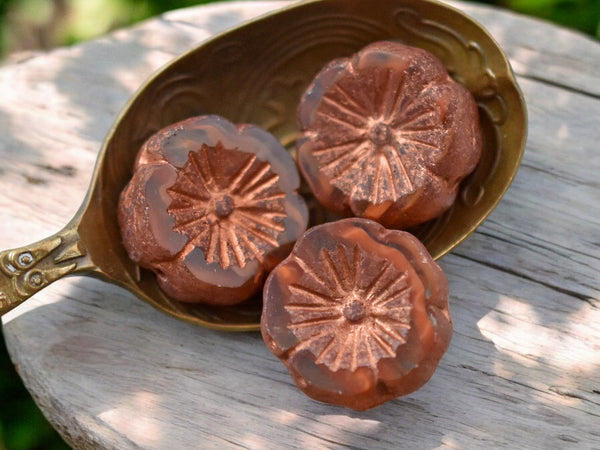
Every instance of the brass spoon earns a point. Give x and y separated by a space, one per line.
256 73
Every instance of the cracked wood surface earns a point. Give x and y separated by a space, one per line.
109 371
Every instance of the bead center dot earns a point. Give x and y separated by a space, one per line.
224 206
380 134
355 310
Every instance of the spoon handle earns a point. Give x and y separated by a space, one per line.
26 270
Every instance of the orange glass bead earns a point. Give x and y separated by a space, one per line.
387 135
358 313
211 209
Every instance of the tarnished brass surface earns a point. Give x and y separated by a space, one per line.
26 270
256 73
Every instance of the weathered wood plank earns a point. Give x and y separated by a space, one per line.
543 52
523 370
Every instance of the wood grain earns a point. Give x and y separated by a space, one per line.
523 369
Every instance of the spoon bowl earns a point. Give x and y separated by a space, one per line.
256 73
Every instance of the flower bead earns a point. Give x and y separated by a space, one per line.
358 313
211 209
387 135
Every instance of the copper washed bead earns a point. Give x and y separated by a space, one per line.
358 313
211 209
387 135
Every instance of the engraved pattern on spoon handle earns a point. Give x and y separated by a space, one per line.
26 270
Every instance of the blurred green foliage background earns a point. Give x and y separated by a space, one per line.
43 24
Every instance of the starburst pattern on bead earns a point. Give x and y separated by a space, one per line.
229 204
345 318
386 134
